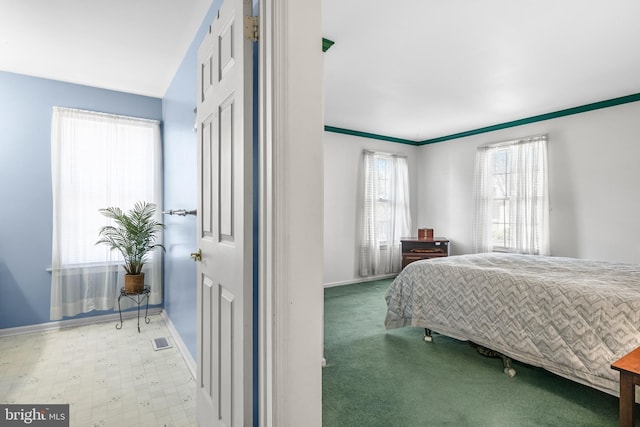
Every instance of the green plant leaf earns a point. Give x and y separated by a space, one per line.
134 234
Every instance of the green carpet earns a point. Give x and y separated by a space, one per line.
376 377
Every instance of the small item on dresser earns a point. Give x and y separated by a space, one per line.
427 251
425 233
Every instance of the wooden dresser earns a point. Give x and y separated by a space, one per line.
416 249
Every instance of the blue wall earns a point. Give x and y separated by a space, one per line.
25 183
180 190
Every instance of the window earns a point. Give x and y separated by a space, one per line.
500 225
383 199
98 160
385 212
511 200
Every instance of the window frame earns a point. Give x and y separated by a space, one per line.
86 276
527 207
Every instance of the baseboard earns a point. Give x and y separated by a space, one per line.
186 354
360 280
61 324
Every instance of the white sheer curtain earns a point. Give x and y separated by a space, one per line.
98 160
481 238
385 212
525 185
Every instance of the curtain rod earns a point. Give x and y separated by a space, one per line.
109 115
382 153
512 142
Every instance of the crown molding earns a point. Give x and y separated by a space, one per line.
520 122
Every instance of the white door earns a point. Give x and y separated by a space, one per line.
224 116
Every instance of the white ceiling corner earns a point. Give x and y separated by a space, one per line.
130 46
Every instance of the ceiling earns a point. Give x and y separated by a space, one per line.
417 70
133 46
422 69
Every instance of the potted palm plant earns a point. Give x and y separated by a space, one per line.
134 235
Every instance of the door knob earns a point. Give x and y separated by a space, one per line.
197 256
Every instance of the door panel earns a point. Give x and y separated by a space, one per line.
205 214
207 379
226 354
225 167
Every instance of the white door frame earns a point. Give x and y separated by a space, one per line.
291 213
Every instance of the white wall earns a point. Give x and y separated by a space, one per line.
342 163
594 187
594 180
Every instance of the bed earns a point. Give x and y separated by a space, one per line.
571 317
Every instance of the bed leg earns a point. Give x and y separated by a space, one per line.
427 335
506 360
508 369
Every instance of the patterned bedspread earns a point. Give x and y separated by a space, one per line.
572 317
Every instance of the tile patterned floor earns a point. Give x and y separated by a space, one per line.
109 377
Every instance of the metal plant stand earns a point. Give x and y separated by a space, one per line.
137 298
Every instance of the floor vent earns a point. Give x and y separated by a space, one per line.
160 343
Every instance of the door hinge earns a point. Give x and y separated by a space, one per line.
251 28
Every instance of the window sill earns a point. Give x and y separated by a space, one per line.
97 266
